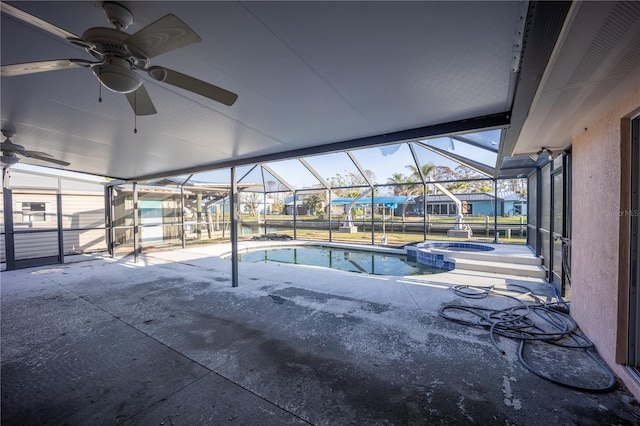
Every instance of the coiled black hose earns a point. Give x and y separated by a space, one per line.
554 326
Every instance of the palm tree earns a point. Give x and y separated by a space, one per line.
426 169
458 187
485 187
397 178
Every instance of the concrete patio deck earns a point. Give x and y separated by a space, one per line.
168 341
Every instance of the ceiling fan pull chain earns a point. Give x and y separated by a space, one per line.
100 86
135 116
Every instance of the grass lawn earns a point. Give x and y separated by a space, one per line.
393 238
511 220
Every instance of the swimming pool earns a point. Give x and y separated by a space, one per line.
374 263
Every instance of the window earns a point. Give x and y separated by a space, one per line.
34 212
444 209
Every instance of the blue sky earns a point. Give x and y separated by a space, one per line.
328 165
384 161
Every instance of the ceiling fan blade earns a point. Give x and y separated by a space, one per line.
37 22
141 102
11 151
164 35
50 160
42 66
192 84
34 154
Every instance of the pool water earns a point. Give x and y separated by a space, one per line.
345 260
464 249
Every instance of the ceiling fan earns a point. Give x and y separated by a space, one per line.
119 56
11 152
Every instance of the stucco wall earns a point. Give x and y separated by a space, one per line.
596 183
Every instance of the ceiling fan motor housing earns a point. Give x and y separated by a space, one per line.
117 73
117 15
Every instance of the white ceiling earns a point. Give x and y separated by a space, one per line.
307 74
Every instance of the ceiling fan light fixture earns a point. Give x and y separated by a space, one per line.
116 76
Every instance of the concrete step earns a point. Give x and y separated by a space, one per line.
490 256
532 271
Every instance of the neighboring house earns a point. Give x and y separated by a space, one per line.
53 215
477 204
514 204
299 205
398 203
205 209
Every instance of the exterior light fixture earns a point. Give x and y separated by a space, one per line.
543 150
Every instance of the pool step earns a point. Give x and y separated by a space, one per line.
499 267
499 258
491 256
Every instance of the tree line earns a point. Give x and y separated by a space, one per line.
351 184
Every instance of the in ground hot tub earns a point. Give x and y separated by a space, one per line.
453 246
422 252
